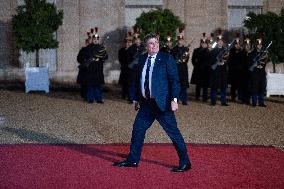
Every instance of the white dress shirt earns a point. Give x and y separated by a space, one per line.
150 75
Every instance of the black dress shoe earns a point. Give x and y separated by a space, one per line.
100 102
125 164
182 168
224 104
262 105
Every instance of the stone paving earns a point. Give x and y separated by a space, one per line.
63 117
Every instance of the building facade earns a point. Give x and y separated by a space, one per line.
114 18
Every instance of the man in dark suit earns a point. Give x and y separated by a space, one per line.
157 87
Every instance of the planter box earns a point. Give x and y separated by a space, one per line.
275 84
37 79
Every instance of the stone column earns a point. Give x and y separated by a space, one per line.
68 36
10 68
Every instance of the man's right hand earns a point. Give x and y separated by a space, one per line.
136 105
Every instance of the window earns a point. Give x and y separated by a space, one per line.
238 9
134 8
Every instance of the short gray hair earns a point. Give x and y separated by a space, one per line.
150 36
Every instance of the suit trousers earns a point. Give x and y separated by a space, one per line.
148 112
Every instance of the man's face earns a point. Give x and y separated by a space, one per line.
203 45
152 46
169 44
128 44
259 46
137 41
237 46
220 43
209 46
180 42
247 47
96 40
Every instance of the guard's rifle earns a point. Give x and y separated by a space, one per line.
259 56
220 57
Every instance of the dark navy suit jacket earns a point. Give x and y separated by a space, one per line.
165 80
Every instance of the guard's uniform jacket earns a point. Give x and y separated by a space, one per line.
123 77
166 49
81 59
237 69
218 77
181 55
257 84
98 55
133 53
195 78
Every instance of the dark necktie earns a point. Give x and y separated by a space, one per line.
146 83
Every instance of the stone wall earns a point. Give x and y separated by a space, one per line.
112 17
273 5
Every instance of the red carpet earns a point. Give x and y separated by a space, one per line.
90 166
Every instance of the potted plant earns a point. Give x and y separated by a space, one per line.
34 26
272 25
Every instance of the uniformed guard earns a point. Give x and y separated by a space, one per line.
258 60
208 59
181 55
82 74
122 57
168 47
201 71
237 69
245 84
219 73
133 53
96 57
